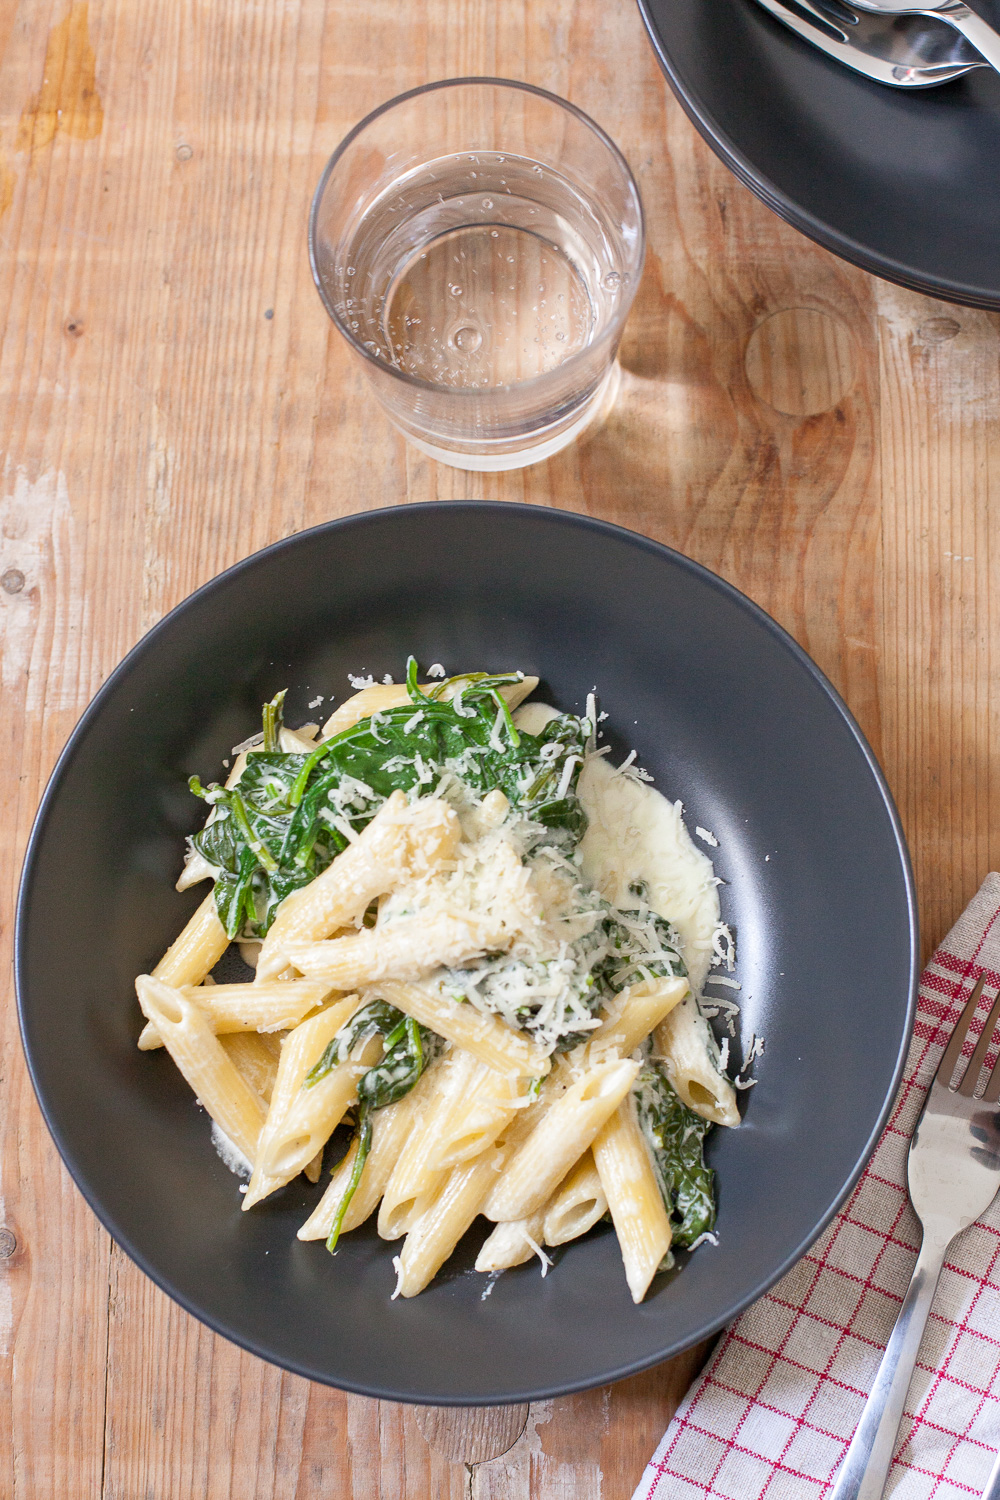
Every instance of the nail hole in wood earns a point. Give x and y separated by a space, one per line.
12 581
8 1243
938 330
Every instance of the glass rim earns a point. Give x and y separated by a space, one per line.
376 361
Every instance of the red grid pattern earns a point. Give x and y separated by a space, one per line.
772 1416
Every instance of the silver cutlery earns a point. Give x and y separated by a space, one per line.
992 1490
953 1174
905 51
957 14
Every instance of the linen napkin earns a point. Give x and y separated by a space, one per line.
773 1413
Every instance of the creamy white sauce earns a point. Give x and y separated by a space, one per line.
635 833
230 1153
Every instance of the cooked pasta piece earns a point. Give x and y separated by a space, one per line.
511 1244
414 1177
559 1139
298 741
409 949
391 1127
634 1198
313 1116
485 1035
475 1118
688 1049
443 1218
640 1010
577 1204
277 1006
403 838
197 950
234 1106
299 1051
255 1058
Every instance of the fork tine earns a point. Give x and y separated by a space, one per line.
971 1078
807 11
991 1093
956 1042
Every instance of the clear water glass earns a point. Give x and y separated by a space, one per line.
478 243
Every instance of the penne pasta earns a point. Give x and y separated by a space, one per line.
197 950
484 1035
300 1050
577 1204
685 1043
642 1007
406 950
311 1118
414 1177
234 1106
442 1219
634 1198
401 838
278 1006
475 1118
560 1138
255 1058
391 1127
511 1244
452 973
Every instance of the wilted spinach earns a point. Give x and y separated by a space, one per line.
676 1137
291 813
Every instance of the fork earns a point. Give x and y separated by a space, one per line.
906 53
953 1174
955 12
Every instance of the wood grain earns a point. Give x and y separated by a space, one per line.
172 398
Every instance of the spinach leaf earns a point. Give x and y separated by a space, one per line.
676 1137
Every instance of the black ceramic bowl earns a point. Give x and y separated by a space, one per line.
728 714
904 182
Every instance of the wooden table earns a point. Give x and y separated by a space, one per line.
174 398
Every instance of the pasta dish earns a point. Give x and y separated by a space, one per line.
482 947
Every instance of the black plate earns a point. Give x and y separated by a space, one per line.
727 712
904 183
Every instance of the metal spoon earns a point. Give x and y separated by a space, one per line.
903 51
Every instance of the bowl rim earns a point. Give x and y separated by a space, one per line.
843 245
556 517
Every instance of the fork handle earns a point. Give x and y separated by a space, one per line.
979 32
866 1465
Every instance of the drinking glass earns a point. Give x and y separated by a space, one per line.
478 242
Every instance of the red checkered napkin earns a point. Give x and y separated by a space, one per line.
773 1413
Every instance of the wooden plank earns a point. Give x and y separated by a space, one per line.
940 444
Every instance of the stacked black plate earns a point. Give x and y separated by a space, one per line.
904 183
